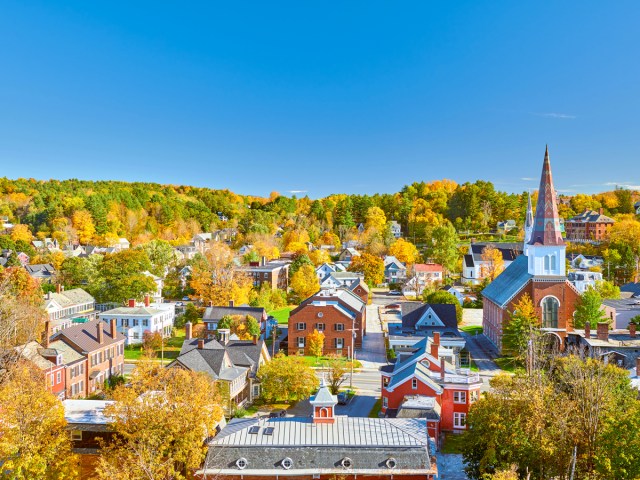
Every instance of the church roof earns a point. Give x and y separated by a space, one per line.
509 282
529 218
546 226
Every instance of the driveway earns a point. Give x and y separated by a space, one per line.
372 354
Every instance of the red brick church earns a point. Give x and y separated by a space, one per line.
540 272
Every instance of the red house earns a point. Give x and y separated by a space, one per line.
428 383
49 362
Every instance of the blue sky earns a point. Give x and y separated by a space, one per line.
321 97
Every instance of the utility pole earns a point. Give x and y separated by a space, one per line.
273 345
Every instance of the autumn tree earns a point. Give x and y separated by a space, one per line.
315 343
376 219
336 368
319 256
22 233
304 282
493 262
244 326
589 309
370 266
287 378
84 226
216 279
160 420
161 255
34 440
404 251
520 328
122 276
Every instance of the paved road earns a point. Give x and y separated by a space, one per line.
372 354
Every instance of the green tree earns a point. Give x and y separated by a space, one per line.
121 277
287 378
588 309
521 327
442 247
607 290
298 262
440 296
336 368
160 254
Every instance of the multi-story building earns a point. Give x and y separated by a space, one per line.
136 319
338 313
275 273
323 446
421 276
589 226
67 307
101 344
427 377
75 369
394 270
475 268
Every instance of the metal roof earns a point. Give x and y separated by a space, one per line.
509 282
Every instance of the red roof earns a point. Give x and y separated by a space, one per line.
427 267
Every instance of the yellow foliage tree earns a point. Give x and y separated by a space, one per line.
34 442
83 223
376 220
315 341
404 251
305 281
494 263
21 232
319 256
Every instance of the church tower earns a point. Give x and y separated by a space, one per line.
545 247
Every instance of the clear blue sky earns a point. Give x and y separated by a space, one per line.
322 97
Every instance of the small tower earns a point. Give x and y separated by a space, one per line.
546 250
323 404
528 224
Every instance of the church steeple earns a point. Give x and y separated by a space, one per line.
528 222
545 247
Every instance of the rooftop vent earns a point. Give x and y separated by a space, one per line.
287 463
347 462
391 463
242 463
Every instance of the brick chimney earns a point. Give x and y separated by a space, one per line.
632 330
587 330
58 288
201 344
442 369
147 300
46 335
231 303
188 331
112 328
638 367
100 332
132 302
255 339
263 261
601 211
435 344
603 331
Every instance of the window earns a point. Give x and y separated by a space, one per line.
301 326
268 431
254 430
459 397
385 402
339 342
459 420
550 312
414 383
135 322
320 327
58 377
547 263
211 326
301 341
320 314
385 381
76 435
339 327
145 322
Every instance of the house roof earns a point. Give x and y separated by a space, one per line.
345 297
86 411
509 282
242 353
445 312
85 335
427 267
390 259
31 351
133 311
468 261
591 216
212 361
40 270
509 251
75 296
631 287
69 355
216 313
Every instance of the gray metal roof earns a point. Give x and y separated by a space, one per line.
216 313
509 282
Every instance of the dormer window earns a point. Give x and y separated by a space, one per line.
58 359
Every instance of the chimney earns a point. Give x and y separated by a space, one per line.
587 330
100 332
147 300
132 302
112 325
62 288
601 211
231 303
263 261
638 367
442 369
58 289
188 333
255 339
632 330
201 344
47 334
435 344
603 331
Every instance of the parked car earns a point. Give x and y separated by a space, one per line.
280 414
393 306
393 312
344 397
395 293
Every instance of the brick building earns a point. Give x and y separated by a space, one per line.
49 362
589 226
103 347
324 446
540 272
427 382
338 313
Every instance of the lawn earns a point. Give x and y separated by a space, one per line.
452 443
322 361
508 364
172 348
282 314
376 409
472 329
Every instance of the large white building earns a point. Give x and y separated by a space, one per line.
133 320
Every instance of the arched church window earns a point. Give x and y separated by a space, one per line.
553 263
546 263
550 307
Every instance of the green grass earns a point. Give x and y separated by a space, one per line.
453 443
473 367
282 314
172 348
375 410
322 361
472 329
508 364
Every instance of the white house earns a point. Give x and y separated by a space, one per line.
66 308
328 268
156 296
584 279
394 270
396 231
133 320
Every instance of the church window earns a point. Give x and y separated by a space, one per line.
553 262
550 312
546 263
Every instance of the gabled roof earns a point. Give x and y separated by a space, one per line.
427 267
40 269
212 314
445 312
591 216
212 360
509 282
242 353
74 296
631 287
85 336
31 351
509 250
69 355
390 259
